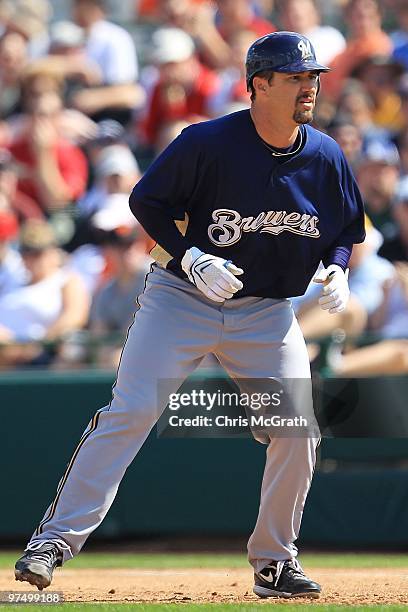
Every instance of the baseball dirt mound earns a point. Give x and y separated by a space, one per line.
341 586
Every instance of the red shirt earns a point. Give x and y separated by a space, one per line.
357 50
257 25
174 103
149 8
25 207
261 26
71 162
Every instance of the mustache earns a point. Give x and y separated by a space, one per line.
306 98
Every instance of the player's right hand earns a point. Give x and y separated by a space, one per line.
213 276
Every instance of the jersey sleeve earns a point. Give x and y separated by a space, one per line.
164 193
353 231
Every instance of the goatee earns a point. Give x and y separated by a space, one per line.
300 117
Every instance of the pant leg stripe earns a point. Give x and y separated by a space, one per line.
85 435
51 512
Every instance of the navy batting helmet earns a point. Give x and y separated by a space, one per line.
281 52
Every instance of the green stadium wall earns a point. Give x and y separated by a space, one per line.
359 496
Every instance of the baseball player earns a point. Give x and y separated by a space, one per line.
243 208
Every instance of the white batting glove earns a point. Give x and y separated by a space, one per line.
336 292
213 276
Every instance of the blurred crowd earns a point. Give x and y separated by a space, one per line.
93 90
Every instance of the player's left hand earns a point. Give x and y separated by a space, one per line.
336 292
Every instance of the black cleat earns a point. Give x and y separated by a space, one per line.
285 579
37 566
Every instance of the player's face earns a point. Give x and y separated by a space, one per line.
293 96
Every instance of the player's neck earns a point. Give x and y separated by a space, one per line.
274 133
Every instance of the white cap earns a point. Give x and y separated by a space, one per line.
116 159
115 213
66 34
171 45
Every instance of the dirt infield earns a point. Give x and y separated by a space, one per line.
341 586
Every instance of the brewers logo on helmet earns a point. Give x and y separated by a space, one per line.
281 52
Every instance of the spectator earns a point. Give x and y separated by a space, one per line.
35 83
236 15
12 271
108 132
177 13
13 60
194 75
400 37
202 23
111 48
30 18
6 10
10 197
53 172
233 87
152 10
303 16
88 259
50 305
67 58
350 139
379 76
168 133
214 33
66 38
368 272
116 171
389 355
377 176
356 103
402 143
366 39
113 307
184 87
396 247
39 79
198 19
107 44
393 317
402 90
264 7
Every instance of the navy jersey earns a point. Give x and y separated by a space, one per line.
230 197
